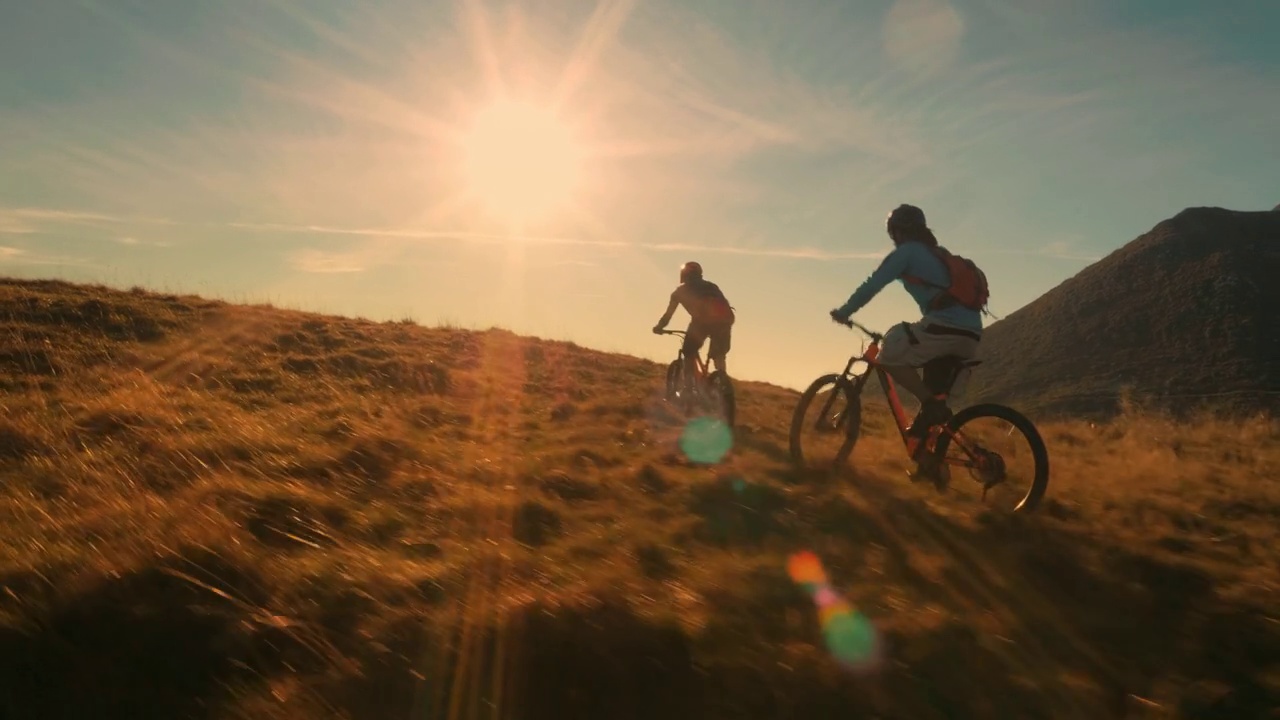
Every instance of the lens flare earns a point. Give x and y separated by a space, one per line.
806 569
850 635
706 440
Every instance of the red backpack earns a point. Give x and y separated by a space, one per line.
714 303
968 283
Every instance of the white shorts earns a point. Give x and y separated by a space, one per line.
917 346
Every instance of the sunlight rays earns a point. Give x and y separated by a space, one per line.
602 28
363 84
482 45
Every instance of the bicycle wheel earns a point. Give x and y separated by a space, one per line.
992 458
826 423
720 390
673 380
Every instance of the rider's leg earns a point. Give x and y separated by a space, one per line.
721 338
900 355
694 338
907 347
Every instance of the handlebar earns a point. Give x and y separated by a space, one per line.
671 332
851 324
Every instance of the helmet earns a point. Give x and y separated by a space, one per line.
904 217
690 270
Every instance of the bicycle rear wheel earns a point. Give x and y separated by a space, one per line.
674 373
826 423
1015 477
720 389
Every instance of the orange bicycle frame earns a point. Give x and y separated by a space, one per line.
895 403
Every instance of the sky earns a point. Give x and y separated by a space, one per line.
324 156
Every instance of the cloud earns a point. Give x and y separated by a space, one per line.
132 241
841 109
319 261
35 220
1065 254
729 96
573 263
42 220
1056 250
923 35
1160 71
20 256
654 82
16 226
399 234
799 253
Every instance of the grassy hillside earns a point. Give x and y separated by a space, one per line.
1184 314
217 511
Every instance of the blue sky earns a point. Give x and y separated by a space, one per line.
305 153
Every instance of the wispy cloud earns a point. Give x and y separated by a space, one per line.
394 241
16 226
1073 250
799 253
1067 250
687 78
34 220
75 216
573 263
21 256
320 261
317 261
673 91
738 134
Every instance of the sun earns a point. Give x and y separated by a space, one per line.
522 161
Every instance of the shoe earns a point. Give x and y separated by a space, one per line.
929 467
932 412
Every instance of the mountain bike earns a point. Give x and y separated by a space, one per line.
712 391
841 411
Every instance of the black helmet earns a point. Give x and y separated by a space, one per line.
690 270
904 217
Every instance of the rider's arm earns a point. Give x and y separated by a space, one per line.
671 310
893 265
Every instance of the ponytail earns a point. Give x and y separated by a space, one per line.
927 237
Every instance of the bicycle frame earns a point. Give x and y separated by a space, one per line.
869 356
699 367
887 384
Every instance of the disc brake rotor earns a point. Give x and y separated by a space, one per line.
991 469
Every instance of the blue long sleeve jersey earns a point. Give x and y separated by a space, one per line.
913 258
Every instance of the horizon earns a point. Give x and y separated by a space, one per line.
341 161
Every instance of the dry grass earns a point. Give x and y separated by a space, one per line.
213 511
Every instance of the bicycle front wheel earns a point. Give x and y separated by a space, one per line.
1002 450
826 423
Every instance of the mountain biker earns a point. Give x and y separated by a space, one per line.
945 328
710 317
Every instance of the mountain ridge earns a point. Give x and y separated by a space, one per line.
1185 315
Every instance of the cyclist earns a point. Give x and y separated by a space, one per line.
710 317
946 327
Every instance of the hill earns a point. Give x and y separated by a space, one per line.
219 511
1186 315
